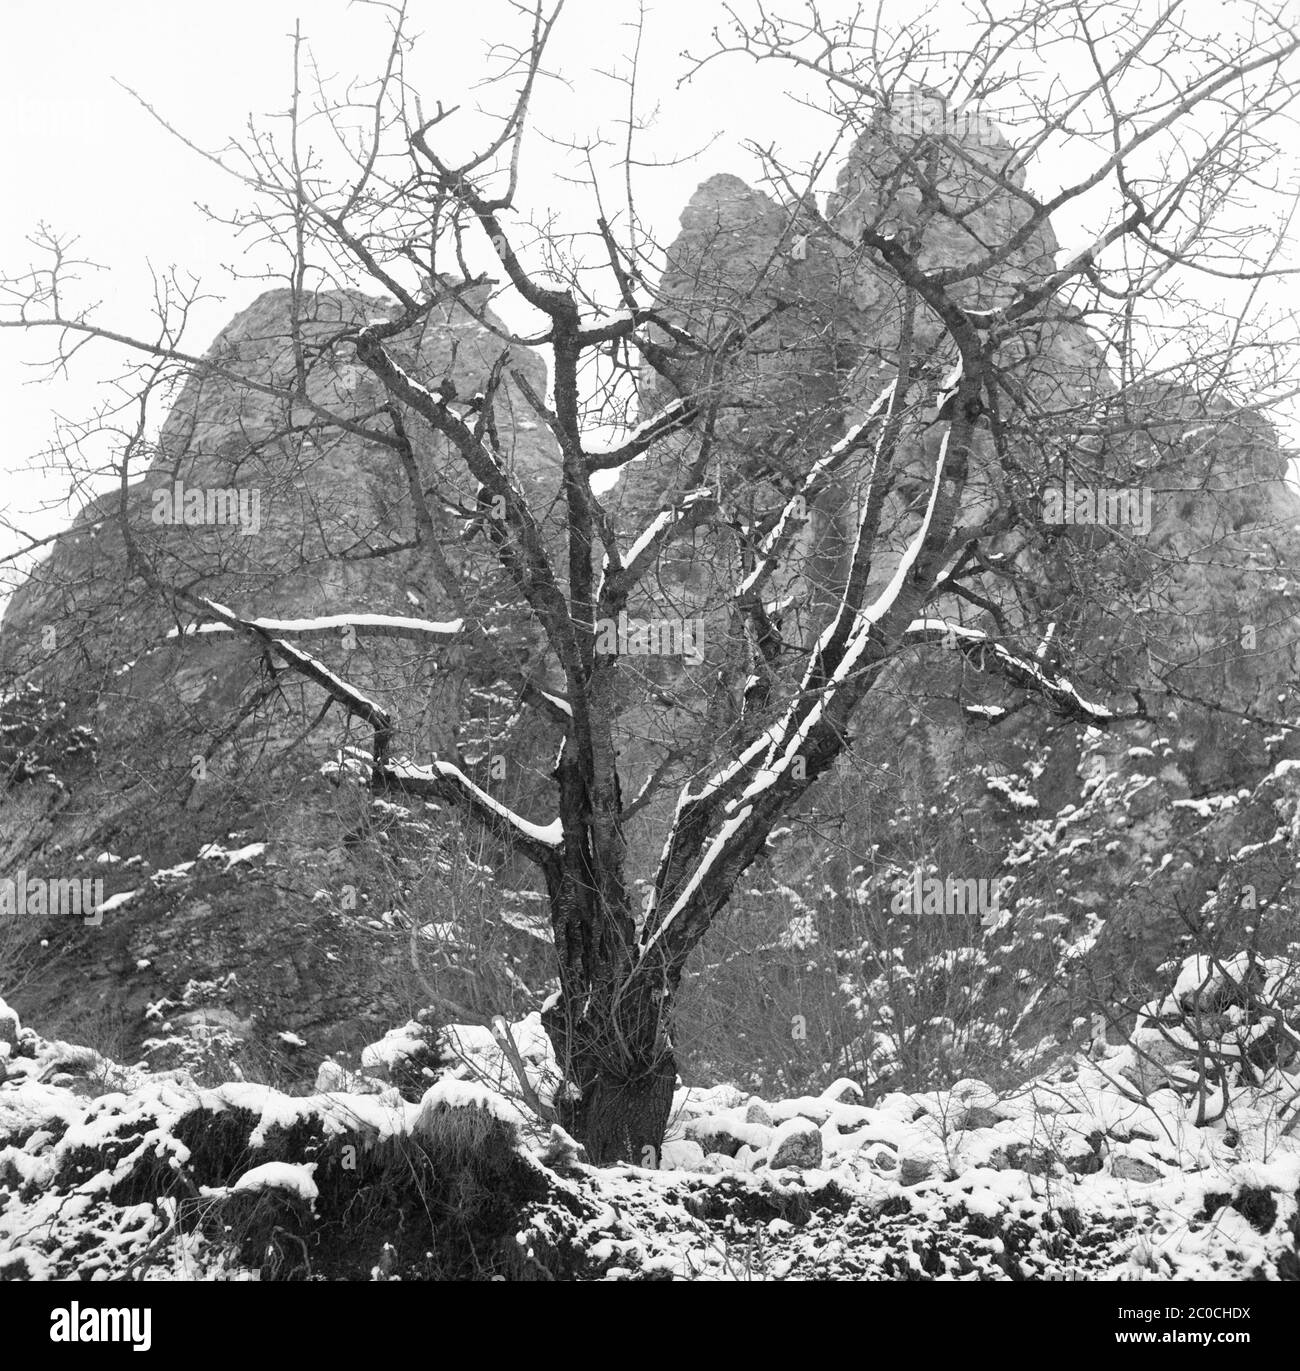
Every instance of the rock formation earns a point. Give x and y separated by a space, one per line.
1108 842
196 737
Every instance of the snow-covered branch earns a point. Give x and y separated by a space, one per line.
1029 673
333 625
795 512
726 828
693 508
679 413
445 780
346 694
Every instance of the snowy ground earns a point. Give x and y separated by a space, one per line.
107 1171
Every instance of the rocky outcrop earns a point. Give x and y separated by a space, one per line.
1190 619
1104 842
192 743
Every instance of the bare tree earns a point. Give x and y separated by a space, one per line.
919 475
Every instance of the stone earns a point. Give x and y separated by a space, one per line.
8 1027
681 1154
749 1157
913 1170
332 1077
979 1116
1128 1168
796 1144
1033 1161
727 1134
879 1156
1154 1061
843 1091
758 1112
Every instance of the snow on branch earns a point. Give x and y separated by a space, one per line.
381 625
716 848
341 690
680 413
599 327
694 806
831 664
445 780
524 556
557 702
693 507
306 665
1027 672
796 508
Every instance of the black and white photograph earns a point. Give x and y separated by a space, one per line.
650 640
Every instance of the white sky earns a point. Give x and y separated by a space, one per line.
80 154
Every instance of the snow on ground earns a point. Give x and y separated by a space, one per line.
1098 1169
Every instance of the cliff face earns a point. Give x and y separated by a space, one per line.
199 744
1105 841
823 322
1107 844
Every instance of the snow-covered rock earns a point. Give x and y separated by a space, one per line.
1130 1168
728 1133
8 1029
843 1091
397 1045
796 1143
913 1170
295 1177
681 1154
332 1076
758 1112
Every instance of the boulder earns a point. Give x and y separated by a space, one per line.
979 1116
1155 1061
796 1144
727 1133
8 1027
758 1112
1128 1168
681 1154
843 1091
879 1156
913 1170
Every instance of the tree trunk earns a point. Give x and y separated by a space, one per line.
623 1120
616 1105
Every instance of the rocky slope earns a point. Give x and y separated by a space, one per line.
195 749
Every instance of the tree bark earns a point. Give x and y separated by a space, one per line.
624 1119
615 1100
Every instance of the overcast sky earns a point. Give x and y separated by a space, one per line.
80 154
